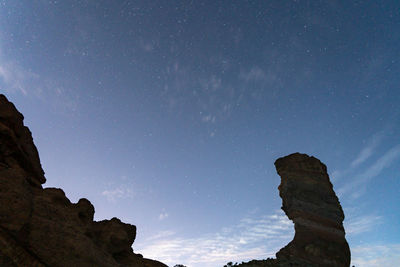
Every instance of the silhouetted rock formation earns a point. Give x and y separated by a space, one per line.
41 227
309 201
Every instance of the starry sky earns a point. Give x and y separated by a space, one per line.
170 115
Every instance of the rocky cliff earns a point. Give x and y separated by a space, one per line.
40 226
309 201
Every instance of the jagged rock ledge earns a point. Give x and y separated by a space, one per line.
41 227
309 201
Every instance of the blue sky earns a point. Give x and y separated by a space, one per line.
170 115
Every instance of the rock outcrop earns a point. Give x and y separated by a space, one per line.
41 227
309 201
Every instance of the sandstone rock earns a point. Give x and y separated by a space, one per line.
41 227
309 201
17 144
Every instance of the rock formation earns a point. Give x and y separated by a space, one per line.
41 227
309 201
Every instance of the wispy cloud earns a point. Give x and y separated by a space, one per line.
214 83
16 79
358 184
163 215
362 224
251 238
376 255
255 74
209 118
383 162
256 238
113 195
161 235
368 151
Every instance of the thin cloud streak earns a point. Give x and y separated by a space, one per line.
385 161
360 181
368 151
17 79
362 224
113 195
161 235
362 156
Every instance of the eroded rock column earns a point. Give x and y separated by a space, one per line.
309 201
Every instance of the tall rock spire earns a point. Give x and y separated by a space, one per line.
309 201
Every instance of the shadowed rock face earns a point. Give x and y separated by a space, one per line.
41 227
309 201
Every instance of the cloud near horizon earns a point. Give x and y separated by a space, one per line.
256 237
371 255
252 238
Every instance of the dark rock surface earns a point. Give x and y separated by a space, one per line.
309 201
41 227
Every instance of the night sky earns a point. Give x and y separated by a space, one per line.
170 115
